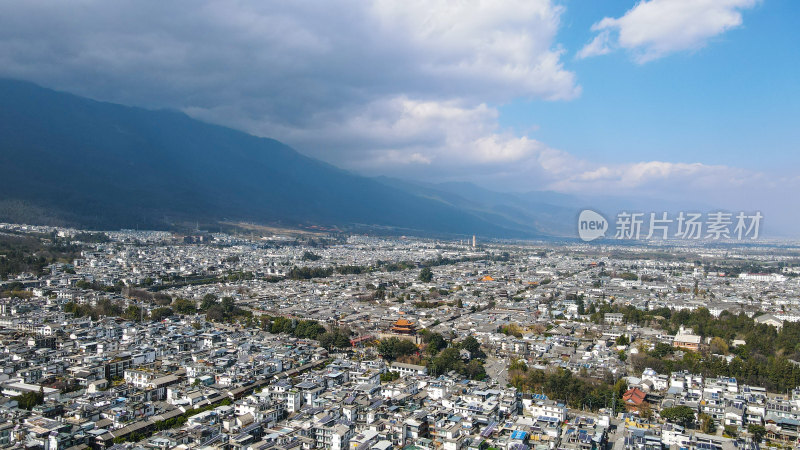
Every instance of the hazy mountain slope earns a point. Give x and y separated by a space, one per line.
105 165
554 216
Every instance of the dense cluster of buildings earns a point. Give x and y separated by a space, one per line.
187 382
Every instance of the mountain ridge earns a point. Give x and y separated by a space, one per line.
104 165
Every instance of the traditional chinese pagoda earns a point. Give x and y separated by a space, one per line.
404 327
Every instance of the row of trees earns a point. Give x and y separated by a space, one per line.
775 373
307 273
727 326
95 286
765 360
577 391
335 338
16 261
304 329
157 298
224 310
218 311
107 308
103 307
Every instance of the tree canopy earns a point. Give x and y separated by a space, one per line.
425 275
682 415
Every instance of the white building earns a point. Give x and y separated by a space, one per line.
408 369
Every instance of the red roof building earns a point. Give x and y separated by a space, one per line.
633 398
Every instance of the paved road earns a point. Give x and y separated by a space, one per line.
615 439
497 370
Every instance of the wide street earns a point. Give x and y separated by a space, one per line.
497 369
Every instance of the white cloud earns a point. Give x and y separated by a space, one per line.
655 28
657 177
382 87
390 133
364 85
285 59
600 45
509 44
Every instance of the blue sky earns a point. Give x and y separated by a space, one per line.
736 100
681 100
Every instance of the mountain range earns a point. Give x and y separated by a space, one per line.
70 160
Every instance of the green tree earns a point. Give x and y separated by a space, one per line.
435 347
621 386
105 307
133 313
393 348
215 313
425 275
645 411
209 300
435 342
661 350
228 306
335 338
281 325
511 329
448 359
388 377
159 314
308 329
475 370
719 346
519 365
310 256
682 415
326 340
342 339
184 306
758 432
472 345
162 299
707 424
30 399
